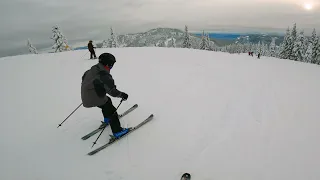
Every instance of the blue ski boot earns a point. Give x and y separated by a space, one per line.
105 122
121 133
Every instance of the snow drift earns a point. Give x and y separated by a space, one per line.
217 116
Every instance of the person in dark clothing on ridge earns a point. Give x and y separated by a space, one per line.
91 49
96 83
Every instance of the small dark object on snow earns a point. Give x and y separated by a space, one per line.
186 176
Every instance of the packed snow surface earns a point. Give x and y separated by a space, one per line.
217 116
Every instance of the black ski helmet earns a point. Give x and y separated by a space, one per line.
107 59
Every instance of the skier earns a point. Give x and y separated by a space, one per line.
91 49
259 55
96 82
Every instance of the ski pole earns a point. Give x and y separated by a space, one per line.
85 54
69 115
95 142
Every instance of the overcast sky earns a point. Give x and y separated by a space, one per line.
91 19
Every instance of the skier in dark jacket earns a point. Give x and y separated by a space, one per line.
91 49
96 83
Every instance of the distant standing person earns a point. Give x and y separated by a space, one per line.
259 56
91 49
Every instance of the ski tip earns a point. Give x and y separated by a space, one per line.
91 153
186 176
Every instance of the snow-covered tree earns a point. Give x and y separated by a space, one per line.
317 49
277 51
315 43
293 38
298 48
186 41
60 41
259 48
246 47
308 55
306 43
265 50
31 48
113 39
204 45
273 47
105 44
161 43
210 43
285 46
173 42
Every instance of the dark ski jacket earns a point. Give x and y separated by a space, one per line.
90 46
96 83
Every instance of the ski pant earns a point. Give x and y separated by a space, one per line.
109 111
92 53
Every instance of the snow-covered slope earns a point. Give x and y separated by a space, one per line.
217 116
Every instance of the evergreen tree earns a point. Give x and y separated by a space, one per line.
204 42
293 38
145 43
298 48
105 44
315 45
173 42
210 44
265 50
314 41
186 42
317 49
315 52
162 44
273 47
60 41
259 48
31 48
306 43
308 55
278 51
113 40
285 46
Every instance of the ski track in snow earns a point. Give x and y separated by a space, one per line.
217 116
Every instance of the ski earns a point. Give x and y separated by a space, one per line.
103 124
186 176
113 139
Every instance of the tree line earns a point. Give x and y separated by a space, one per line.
295 46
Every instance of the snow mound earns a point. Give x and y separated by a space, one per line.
217 116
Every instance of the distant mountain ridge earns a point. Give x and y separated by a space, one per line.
160 37
164 37
229 38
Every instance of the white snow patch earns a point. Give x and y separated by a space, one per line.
217 116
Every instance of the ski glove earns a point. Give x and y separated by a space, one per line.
124 96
